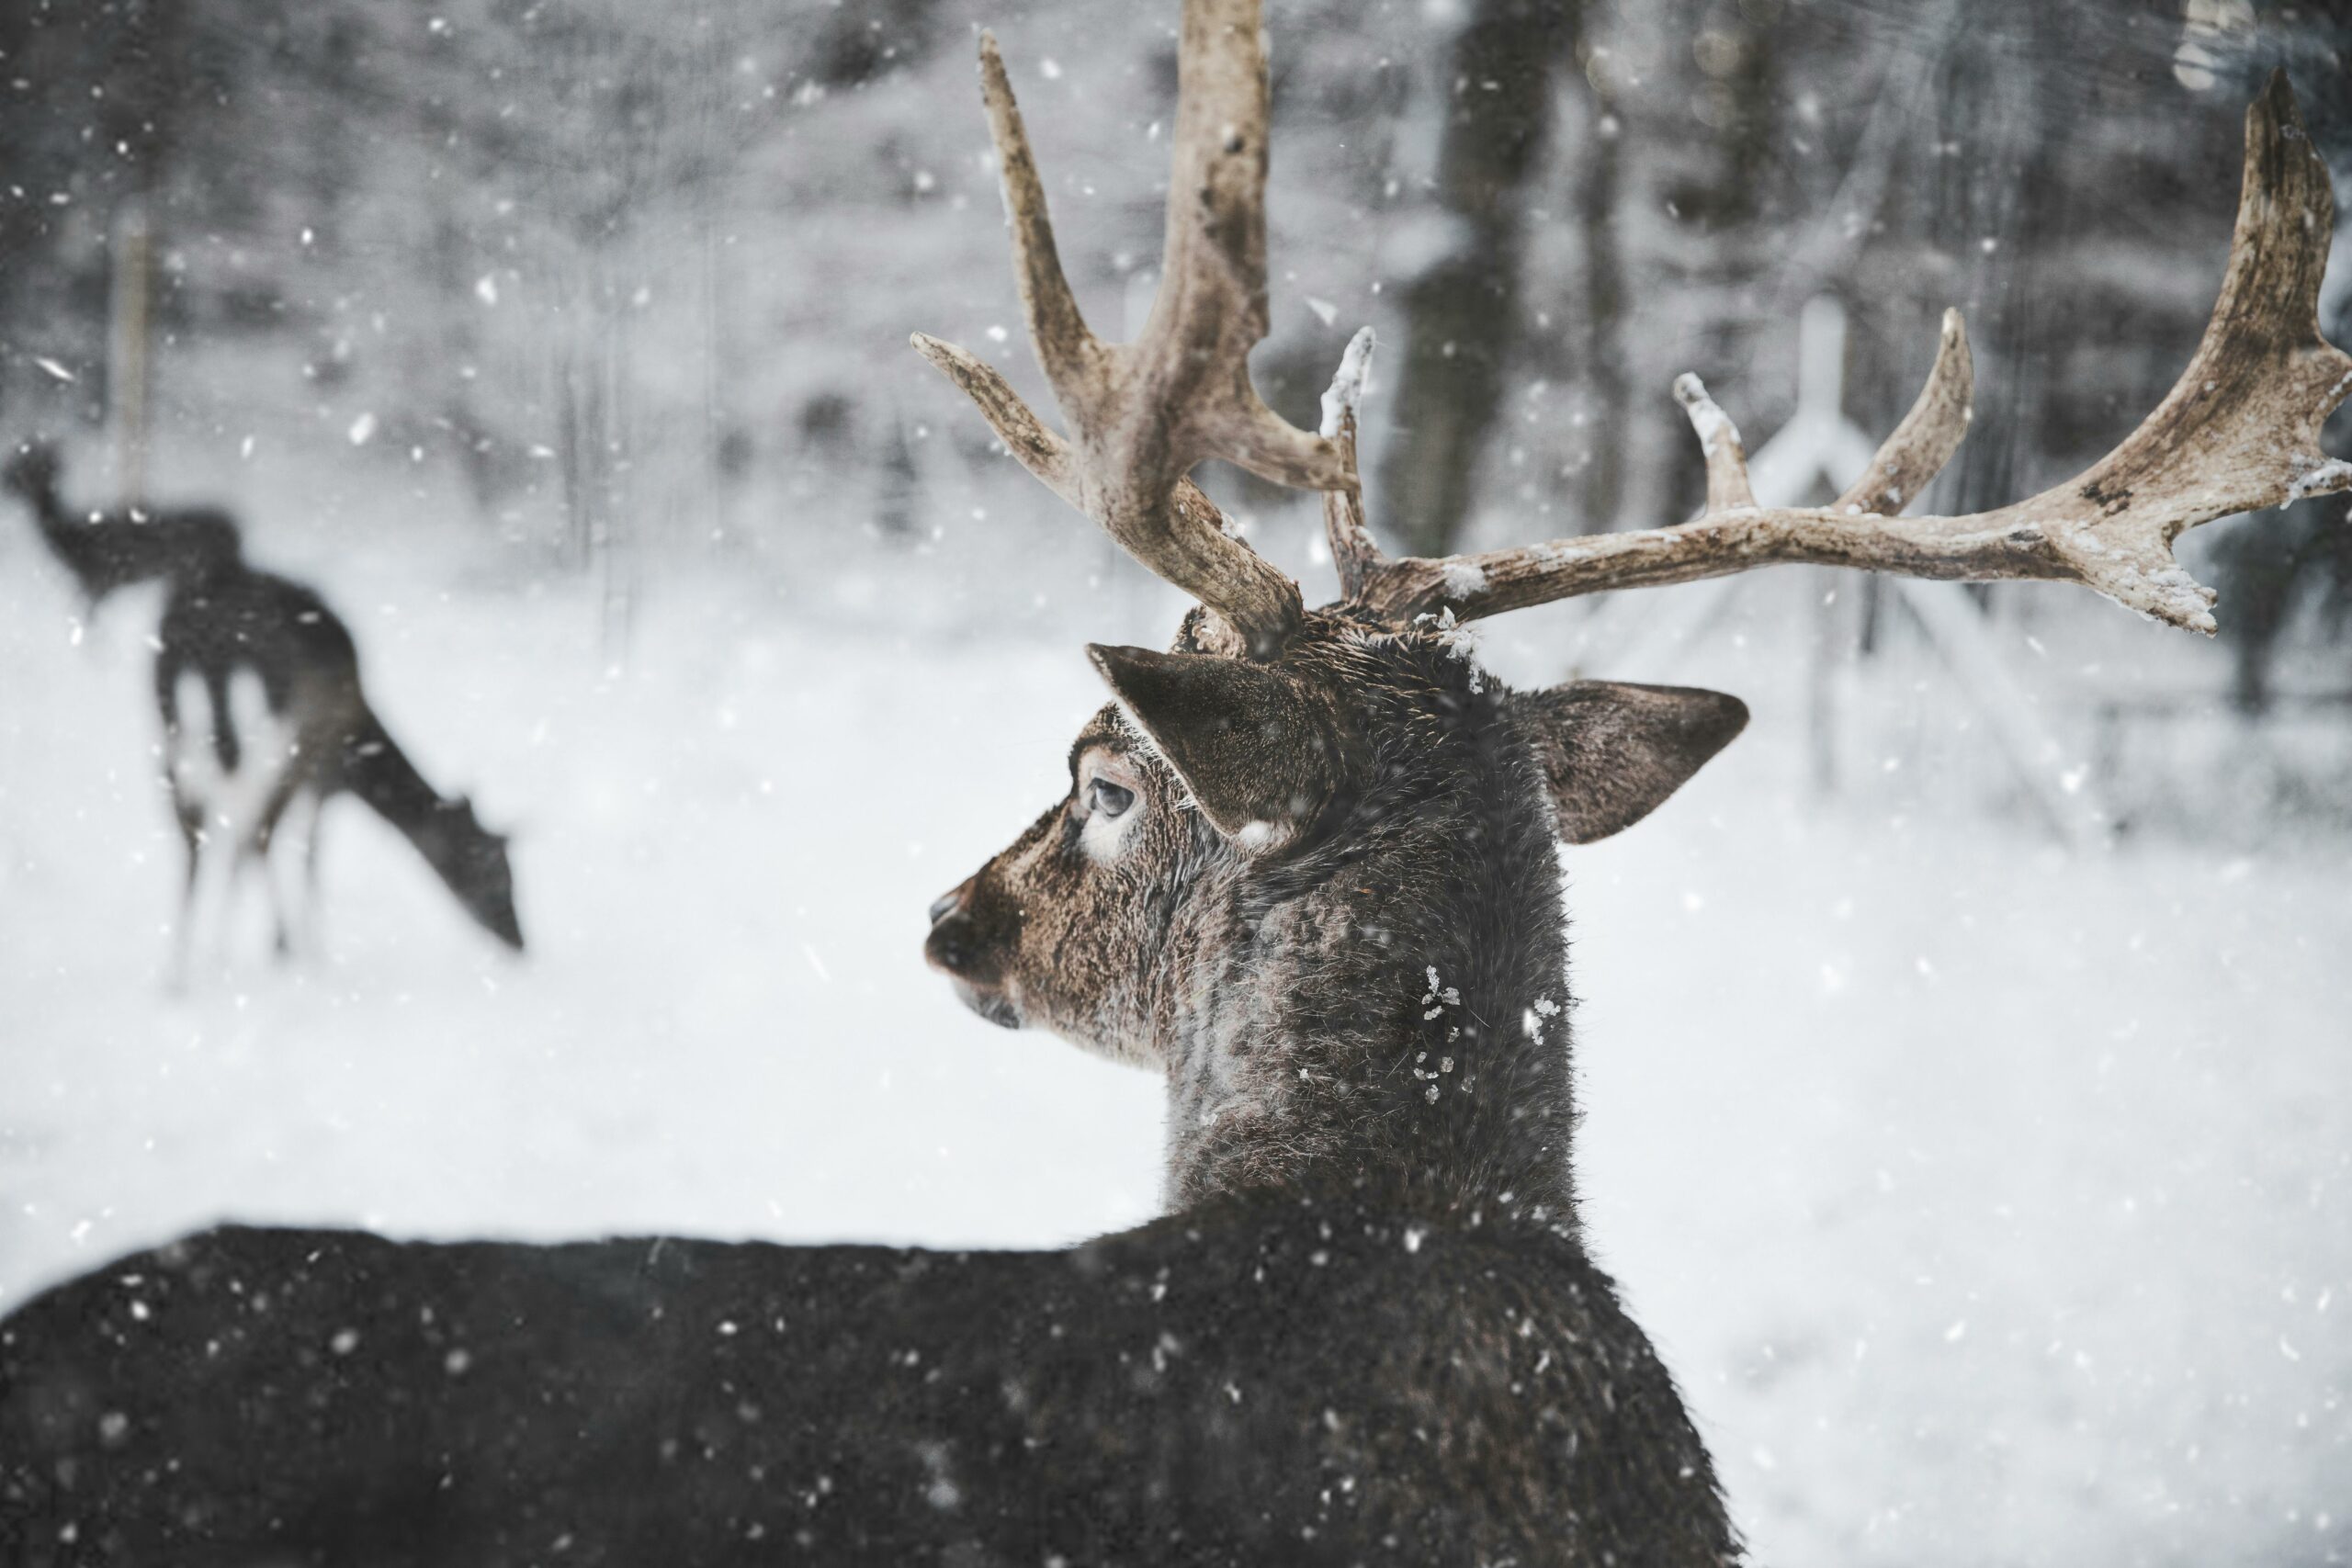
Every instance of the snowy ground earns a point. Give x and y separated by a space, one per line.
1993 1202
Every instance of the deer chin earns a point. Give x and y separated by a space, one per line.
997 1007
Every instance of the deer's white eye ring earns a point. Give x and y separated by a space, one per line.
1108 800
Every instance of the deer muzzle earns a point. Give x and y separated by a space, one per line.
962 949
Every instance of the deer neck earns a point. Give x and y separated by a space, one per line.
50 515
376 770
1389 1013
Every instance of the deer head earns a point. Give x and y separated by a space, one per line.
1305 865
1320 892
472 863
31 470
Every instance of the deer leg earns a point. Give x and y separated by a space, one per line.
192 838
189 770
313 926
230 857
208 903
290 834
203 794
281 920
262 848
257 757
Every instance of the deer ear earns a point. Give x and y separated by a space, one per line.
1613 752
1255 749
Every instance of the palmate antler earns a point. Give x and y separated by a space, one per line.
2240 429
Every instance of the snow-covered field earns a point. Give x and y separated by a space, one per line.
1994 1202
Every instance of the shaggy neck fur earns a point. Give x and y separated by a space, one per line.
1385 1005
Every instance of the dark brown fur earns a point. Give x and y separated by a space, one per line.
1368 1331
1285 988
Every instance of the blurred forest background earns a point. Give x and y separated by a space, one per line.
622 285
1969 1112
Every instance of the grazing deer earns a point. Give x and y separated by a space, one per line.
1305 868
257 682
264 722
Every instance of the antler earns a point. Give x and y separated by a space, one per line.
2238 430
1142 413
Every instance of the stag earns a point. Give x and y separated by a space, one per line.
1305 869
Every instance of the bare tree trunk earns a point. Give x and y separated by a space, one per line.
1462 312
618 536
1997 95
717 471
458 342
571 461
131 370
1601 365
582 447
142 125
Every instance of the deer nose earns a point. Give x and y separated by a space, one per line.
953 945
950 946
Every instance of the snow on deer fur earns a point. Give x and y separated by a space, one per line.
1362 1276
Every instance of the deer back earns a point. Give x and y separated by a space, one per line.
1256 1380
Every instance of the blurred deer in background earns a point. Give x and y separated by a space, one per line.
257 682
1305 868
264 723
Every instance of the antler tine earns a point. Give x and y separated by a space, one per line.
1142 415
1928 434
1211 308
1028 438
1066 348
2238 430
1719 441
1353 550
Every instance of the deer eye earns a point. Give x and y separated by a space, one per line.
1105 798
